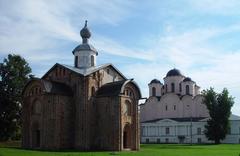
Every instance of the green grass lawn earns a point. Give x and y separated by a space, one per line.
146 150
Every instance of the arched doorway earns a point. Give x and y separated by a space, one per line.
36 115
36 135
127 137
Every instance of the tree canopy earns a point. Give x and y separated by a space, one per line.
14 73
219 106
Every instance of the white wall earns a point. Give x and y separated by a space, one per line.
84 58
157 130
173 79
186 106
191 88
158 88
112 76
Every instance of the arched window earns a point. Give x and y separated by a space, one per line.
153 91
180 87
166 88
64 72
187 89
36 107
93 91
76 61
60 71
92 60
56 72
127 108
172 87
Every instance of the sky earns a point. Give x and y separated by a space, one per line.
143 39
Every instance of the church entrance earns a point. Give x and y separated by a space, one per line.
36 138
181 139
36 135
127 137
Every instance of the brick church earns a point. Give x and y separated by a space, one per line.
85 106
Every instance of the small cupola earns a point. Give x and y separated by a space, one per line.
85 54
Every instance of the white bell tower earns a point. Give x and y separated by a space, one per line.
85 54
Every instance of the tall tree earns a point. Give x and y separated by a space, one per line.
219 106
14 73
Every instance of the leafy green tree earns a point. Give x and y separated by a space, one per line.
219 106
14 73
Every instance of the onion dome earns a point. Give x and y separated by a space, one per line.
174 72
85 46
155 81
85 33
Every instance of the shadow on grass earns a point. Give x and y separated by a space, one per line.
62 150
175 146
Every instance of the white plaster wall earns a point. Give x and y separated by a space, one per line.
200 108
150 109
197 90
158 87
233 137
157 130
169 100
173 79
111 77
187 106
84 58
191 88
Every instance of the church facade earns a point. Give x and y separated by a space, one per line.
85 106
175 113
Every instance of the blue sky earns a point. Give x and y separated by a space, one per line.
143 39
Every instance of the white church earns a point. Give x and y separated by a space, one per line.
174 113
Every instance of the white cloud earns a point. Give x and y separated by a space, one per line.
112 47
221 7
29 27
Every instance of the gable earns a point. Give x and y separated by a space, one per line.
82 72
166 121
57 71
39 86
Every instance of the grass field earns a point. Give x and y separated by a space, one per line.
146 150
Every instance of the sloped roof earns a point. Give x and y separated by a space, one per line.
84 47
111 89
86 71
187 119
57 88
234 117
116 88
195 119
51 87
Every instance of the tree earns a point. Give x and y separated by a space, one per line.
14 73
219 106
